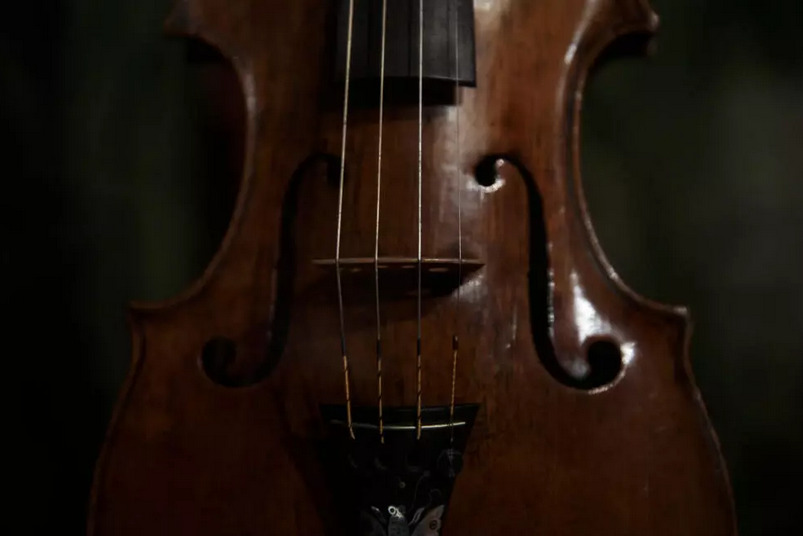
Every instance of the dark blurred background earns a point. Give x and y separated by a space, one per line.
693 164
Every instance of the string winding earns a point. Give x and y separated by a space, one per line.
378 208
419 294
420 227
456 336
343 350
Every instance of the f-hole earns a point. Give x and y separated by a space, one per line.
222 360
602 354
219 154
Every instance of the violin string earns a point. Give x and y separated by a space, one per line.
456 337
376 240
420 177
344 353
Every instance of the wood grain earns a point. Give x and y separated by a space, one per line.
636 456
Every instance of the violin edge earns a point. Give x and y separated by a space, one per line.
647 25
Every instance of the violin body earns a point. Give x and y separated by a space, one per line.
586 418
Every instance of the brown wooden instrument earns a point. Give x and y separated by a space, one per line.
424 342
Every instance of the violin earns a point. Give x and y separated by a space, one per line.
410 327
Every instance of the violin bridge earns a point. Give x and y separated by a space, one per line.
439 276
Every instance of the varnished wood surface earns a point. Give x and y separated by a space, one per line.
187 456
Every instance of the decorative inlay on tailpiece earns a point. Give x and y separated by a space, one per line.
401 488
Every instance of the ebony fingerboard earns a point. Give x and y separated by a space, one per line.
441 36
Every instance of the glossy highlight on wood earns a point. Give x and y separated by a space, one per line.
560 445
